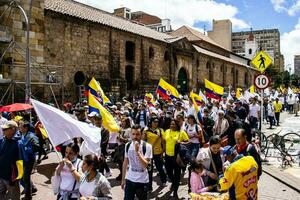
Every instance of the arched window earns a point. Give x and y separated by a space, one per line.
151 52
250 51
166 56
130 51
129 76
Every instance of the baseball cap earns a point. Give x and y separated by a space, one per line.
228 150
9 124
92 114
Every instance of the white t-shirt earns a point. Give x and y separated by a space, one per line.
271 111
2 122
253 110
86 188
67 179
113 138
136 172
191 131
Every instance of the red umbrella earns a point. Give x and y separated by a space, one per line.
15 107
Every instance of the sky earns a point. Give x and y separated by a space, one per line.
244 14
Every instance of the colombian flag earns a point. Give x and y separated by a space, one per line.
213 90
196 99
108 120
150 99
166 91
95 89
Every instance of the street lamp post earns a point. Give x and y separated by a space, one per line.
13 3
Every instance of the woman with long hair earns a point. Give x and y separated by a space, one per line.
172 137
195 134
93 185
153 135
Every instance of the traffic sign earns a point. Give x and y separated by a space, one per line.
262 61
261 81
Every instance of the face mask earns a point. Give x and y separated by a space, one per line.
87 173
74 159
168 115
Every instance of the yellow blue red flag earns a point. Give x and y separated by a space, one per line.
166 91
108 120
97 91
213 90
196 99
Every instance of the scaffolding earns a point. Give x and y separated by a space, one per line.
43 76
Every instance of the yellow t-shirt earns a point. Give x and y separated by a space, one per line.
277 106
171 137
155 140
242 174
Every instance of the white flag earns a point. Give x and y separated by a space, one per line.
61 127
267 92
290 91
203 96
229 97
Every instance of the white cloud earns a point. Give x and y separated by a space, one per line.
181 12
290 43
279 5
291 7
294 8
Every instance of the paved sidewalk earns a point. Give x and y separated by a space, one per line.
289 175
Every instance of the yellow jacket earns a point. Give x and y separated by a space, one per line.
241 179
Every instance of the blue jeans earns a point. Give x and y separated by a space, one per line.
194 149
133 189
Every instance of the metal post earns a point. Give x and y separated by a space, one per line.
261 108
28 73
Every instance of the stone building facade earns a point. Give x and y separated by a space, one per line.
125 57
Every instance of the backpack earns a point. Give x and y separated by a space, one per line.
143 149
183 156
28 147
256 157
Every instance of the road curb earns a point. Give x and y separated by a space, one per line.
282 177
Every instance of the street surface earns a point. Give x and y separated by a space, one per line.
269 188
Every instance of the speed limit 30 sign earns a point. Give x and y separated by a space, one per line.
261 81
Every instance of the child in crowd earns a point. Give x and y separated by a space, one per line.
196 181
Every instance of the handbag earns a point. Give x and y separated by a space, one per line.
55 183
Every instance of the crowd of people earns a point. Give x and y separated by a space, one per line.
216 147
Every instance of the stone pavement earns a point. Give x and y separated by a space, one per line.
269 188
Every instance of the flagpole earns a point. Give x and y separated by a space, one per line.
54 147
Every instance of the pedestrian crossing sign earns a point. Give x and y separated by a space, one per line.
262 61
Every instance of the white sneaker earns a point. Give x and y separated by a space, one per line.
108 174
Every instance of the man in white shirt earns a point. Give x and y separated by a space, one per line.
254 113
138 154
2 122
290 101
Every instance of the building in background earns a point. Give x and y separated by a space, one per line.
297 64
145 19
222 33
246 42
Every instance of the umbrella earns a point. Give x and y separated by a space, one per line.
15 107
